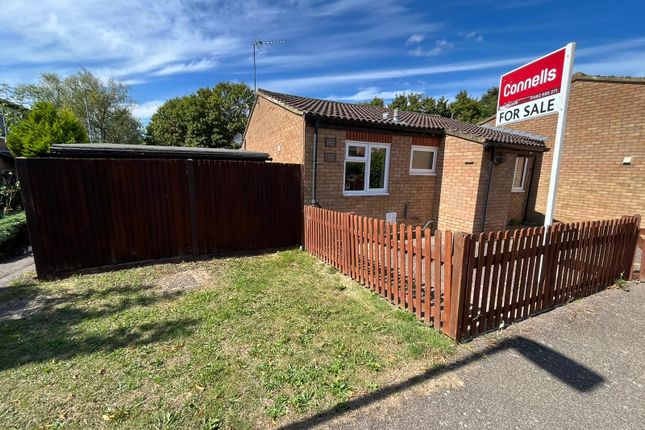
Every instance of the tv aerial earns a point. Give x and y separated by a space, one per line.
257 44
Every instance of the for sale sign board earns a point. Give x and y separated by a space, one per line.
534 89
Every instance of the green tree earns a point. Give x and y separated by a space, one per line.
211 117
465 108
443 107
104 108
44 126
400 101
376 101
488 103
418 102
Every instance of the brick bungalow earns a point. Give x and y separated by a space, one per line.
416 168
602 172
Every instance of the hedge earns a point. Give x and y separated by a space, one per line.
14 238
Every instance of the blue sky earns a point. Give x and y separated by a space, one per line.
348 50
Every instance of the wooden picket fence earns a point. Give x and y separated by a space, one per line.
511 275
405 265
641 247
468 284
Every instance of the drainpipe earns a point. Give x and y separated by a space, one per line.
490 177
314 178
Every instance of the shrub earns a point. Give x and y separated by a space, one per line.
14 237
44 126
10 197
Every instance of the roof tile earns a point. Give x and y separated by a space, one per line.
375 116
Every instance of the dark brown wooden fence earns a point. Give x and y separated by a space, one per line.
464 284
89 213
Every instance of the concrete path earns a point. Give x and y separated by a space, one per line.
13 268
579 366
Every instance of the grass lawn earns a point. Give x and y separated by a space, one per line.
249 342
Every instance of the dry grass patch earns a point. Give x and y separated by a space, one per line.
249 342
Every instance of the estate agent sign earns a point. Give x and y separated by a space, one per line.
535 89
538 88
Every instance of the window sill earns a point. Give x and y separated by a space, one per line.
345 194
517 191
423 173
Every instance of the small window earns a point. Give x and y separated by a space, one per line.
519 177
366 168
423 160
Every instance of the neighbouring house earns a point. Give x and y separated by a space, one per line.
7 162
602 169
410 167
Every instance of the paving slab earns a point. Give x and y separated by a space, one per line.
14 267
579 366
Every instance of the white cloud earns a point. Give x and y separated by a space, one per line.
448 89
144 111
191 67
415 38
474 36
372 75
440 46
134 81
610 48
299 60
370 92
136 39
621 64
119 38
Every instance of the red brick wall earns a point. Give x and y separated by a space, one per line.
464 186
417 192
461 185
504 205
453 198
276 131
605 124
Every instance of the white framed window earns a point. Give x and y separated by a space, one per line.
366 168
423 160
519 176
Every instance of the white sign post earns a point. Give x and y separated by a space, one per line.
559 133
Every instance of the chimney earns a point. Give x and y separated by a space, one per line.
395 118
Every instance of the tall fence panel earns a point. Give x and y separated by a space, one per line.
89 213
468 284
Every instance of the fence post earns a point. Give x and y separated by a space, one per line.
632 250
305 223
456 285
